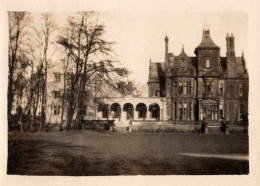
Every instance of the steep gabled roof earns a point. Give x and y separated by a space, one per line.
157 69
183 54
240 65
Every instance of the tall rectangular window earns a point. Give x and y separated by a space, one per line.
207 63
182 63
175 90
185 88
185 110
214 113
56 94
180 88
189 88
209 86
221 113
56 110
180 111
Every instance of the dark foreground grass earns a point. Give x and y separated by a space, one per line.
81 153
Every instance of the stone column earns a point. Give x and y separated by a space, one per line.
135 115
108 110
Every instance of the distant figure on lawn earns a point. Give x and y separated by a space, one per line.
223 127
204 126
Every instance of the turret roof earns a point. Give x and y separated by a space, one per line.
206 41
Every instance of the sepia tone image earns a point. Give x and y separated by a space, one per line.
127 93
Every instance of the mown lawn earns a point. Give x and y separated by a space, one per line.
81 153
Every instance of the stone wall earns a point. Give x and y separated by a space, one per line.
183 127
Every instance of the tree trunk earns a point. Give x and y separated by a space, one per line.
10 98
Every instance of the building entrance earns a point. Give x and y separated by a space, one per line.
209 112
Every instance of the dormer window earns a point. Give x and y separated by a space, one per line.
182 63
207 63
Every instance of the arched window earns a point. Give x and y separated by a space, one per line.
102 107
129 109
155 110
116 108
142 110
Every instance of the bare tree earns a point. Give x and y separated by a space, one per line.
90 54
18 32
44 33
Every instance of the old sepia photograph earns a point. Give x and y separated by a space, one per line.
119 93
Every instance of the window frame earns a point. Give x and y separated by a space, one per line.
207 63
56 110
56 94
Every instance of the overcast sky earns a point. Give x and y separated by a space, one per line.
140 35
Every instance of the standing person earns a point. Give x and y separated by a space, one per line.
203 126
206 128
223 127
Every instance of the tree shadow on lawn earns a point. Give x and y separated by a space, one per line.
44 157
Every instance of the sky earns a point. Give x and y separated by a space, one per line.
140 35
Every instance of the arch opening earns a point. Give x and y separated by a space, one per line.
129 109
154 108
142 110
102 107
116 108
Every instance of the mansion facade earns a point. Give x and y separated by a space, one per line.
204 87
182 89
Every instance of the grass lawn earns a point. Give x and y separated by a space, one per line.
81 153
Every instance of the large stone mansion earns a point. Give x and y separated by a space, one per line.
206 86
182 89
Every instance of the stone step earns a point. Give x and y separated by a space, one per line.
214 130
122 129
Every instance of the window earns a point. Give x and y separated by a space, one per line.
105 113
56 110
214 113
180 88
207 63
185 88
208 87
157 94
221 89
180 111
182 63
189 88
241 90
185 111
57 77
221 114
175 89
56 94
